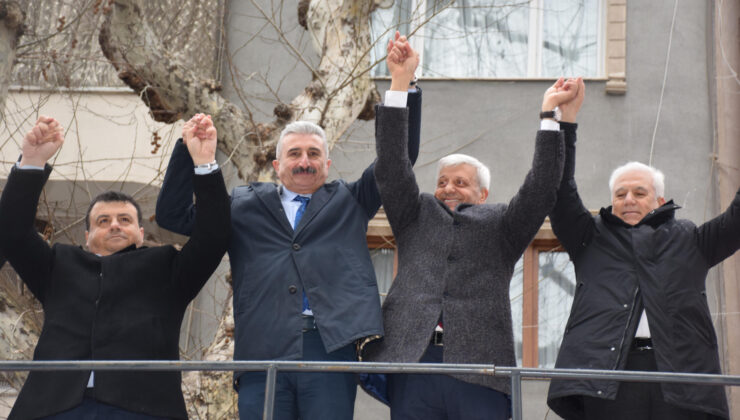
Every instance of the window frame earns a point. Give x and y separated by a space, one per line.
612 47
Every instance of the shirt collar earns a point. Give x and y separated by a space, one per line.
289 195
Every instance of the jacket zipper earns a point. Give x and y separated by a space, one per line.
95 317
626 328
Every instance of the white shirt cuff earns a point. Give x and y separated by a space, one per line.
206 171
549 125
23 168
396 98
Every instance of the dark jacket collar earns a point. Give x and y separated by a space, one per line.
121 251
269 193
654 219
460 207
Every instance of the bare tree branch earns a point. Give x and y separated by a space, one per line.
173 89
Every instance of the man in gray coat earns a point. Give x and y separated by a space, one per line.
450 300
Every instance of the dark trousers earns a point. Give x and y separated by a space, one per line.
638 400
442 397
91 409
309 395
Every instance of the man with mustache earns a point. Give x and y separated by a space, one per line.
119 300
304 285
640 301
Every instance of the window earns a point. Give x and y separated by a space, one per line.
384 263
556 287
498 38
541 295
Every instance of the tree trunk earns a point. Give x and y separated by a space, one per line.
11 29
171 87
210 395
21 319
20 315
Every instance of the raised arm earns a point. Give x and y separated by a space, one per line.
536 196
28 253
402 66
571 221
402 62
393 169
720 237
175 209
212 224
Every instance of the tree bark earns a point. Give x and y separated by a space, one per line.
20 317
210 395
171 87
11 29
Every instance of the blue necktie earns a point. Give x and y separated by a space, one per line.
302 209
298 215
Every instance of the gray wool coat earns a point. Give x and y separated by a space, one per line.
457 263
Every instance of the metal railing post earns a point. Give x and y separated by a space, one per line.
516 395
270 392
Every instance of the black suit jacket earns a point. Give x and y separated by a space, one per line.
126 306
271 263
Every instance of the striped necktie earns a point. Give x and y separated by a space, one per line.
298 215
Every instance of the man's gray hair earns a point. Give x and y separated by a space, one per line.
484 175
658 177
302 127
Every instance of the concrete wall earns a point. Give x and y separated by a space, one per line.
727 61
108 135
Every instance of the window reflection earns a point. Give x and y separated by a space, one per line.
382 260
496 38
556 287
515 295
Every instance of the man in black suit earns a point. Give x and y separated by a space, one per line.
117 301
304 285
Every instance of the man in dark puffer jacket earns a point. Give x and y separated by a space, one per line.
640 301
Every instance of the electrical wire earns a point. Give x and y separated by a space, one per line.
662 89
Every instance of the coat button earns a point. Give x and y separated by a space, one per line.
292 289
296 246
450 258
625 306
612 349
599 392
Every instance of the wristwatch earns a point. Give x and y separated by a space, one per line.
555 114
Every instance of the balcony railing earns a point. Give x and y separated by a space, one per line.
272 367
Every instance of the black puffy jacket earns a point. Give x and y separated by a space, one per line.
660 265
